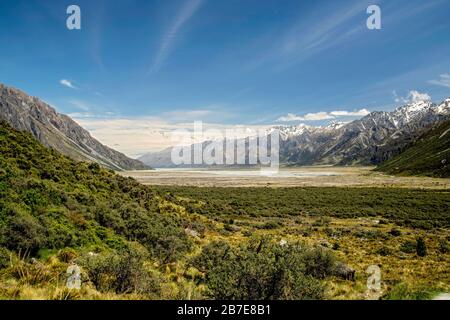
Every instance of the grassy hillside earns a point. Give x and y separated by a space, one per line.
135 242
128 240
428 156
52 206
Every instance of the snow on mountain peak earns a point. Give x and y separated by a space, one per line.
410 111
336 124
444 107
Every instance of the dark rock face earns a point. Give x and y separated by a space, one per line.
58 131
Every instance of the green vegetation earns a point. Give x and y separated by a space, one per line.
421 247
425 209
261 269
49 203
404 292
428 156
136 242
128 239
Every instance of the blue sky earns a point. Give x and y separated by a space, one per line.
247 62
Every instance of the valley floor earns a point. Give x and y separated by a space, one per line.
350 209
318 176
363 226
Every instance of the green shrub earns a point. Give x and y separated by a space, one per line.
121 272
262 269
67 255
395 232
318 262
270 225
408 246
443 246
371 234
23 232
322 221
421 248
5 257
403 291
211 256
384 251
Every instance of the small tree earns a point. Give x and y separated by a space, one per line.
421 247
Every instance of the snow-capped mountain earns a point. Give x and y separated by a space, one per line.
369 140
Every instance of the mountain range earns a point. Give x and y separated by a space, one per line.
428 155
58 131
370 140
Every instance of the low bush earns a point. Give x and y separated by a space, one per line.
443 246
408 246
22 232
121 272
263 269
5 257
421 247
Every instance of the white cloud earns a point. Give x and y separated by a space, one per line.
136 136
444 80
67 83
362 113
323 115
306 117
415 96
186 12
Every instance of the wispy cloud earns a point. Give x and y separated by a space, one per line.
358 113
80 105
317 116
170 37
67 83
307 117
314 33
444 80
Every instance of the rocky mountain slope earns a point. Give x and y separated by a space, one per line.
428 155
58 131
370 140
